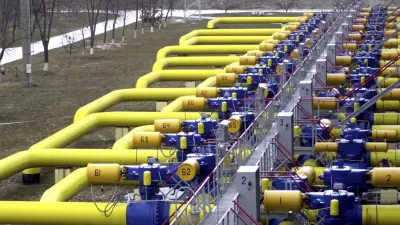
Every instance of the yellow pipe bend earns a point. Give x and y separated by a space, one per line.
204 49
210 82
115 97
225 40
194 61
241 20
115 119
229 32
174 75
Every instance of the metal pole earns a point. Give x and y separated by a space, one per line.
26 43
199 5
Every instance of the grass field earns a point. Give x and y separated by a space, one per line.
75 80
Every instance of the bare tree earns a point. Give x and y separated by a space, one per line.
43 12
286 4
123 27
161 9
137 19
106 22
93 9
170 10
227 5
9 20
142 12
115 11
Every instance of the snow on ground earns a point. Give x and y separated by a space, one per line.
13 54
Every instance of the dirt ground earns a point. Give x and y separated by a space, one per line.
28 115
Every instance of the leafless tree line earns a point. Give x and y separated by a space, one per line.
88 13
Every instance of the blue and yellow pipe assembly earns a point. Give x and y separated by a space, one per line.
175 148
351 186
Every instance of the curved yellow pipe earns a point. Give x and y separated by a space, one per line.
225 40
194 61
115 119
175 75
75 158
115 97
240 20
229 32
176 105
210 82
61 213
204 49
67 188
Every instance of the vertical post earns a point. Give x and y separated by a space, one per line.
248 186
345 30
349 20
26 43
199 8
320 73
305 91
184 10
300 51
339 39
331 54
284 122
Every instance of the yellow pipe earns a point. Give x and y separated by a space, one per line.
115 97
194 61
380 214
126 141
392 155
388 105
72 184
67 188
176 105
210 82
174 75
61 213
241 20
384 62
204 49
226 40
75 158
389 118
89 123
229 32
388 127
387 82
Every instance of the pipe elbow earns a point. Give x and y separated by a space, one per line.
211 24
163 53
159 65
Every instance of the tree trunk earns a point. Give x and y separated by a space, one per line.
46 57
137 19
153 15
92 42
105 25
142 15
123 28
113 30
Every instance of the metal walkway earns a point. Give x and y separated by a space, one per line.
225 202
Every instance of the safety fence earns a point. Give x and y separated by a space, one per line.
200 204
